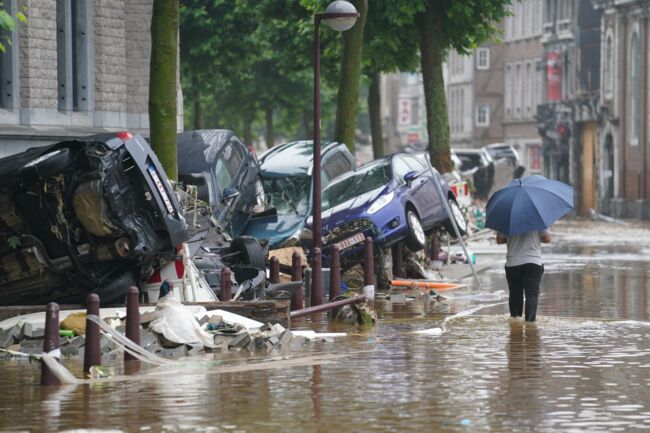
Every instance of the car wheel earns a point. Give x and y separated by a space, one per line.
415 238
250 251
458 216
47 165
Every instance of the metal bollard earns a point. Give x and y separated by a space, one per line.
398 260
296 275
132 319
434 248
92 352
50 342
316 278
274 276
225 290
335 272
368 269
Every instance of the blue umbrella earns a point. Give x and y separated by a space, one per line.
529 204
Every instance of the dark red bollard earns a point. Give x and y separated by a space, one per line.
368 269
434 248
335 272
132 319
398 260
92 352
296 275
316 297
50 342
274 276
225 291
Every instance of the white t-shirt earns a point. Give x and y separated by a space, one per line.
524 248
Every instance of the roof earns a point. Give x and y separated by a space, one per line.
196 148
292 159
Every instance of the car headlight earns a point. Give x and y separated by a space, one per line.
307 234
381 202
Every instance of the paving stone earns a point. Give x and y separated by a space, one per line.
241 340
30 331
148 338
32 347
106 344
72 348
146 318
10 336
285 338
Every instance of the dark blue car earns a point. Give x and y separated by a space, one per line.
392 199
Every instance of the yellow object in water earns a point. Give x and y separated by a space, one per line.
75 322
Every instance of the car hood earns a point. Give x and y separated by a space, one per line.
275 229
338 214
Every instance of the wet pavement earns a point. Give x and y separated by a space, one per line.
585 365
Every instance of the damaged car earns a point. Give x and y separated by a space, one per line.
96 214
286 176
392 199
221 190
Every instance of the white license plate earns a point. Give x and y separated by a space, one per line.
347 243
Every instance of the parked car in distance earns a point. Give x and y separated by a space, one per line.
478 164
392 199
96 214
226 174
286 176
502 150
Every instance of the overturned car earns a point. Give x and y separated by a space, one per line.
95 214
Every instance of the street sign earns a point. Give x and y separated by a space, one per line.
405 115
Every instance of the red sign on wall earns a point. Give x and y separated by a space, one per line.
553 76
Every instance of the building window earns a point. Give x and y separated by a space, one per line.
538 17
483 58
72 20
483 115
528 90
539 87
507 94
608 65
9 62
634 95
517 92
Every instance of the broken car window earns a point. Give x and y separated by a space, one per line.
289 195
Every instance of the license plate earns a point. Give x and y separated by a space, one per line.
347 243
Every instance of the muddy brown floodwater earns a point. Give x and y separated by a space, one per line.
585 366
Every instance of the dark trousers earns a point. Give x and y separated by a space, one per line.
524 279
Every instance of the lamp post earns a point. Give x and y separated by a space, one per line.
340 15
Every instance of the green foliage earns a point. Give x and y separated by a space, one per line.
239 57
8 24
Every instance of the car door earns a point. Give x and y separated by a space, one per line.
425 192
230 174
432 197
408 189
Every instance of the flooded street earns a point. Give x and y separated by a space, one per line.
585 365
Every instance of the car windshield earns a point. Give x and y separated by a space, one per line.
288 195
364 180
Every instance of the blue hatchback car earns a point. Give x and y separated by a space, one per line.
392 199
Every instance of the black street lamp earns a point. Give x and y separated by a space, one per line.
340 15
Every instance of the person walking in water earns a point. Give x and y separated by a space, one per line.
524 269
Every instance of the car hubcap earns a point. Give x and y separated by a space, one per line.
418 231
458 216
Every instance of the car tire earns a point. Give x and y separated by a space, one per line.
415 238
458 216
47 165
250 251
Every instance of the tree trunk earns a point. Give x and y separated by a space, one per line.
374 110
270 136
162 83
432 51
350 79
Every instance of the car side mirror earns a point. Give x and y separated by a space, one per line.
230 193
408 177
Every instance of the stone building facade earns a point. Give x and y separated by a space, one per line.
76 68
623 132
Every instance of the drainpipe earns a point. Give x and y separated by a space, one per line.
623 107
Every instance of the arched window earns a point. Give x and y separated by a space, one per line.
608 65
634 95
